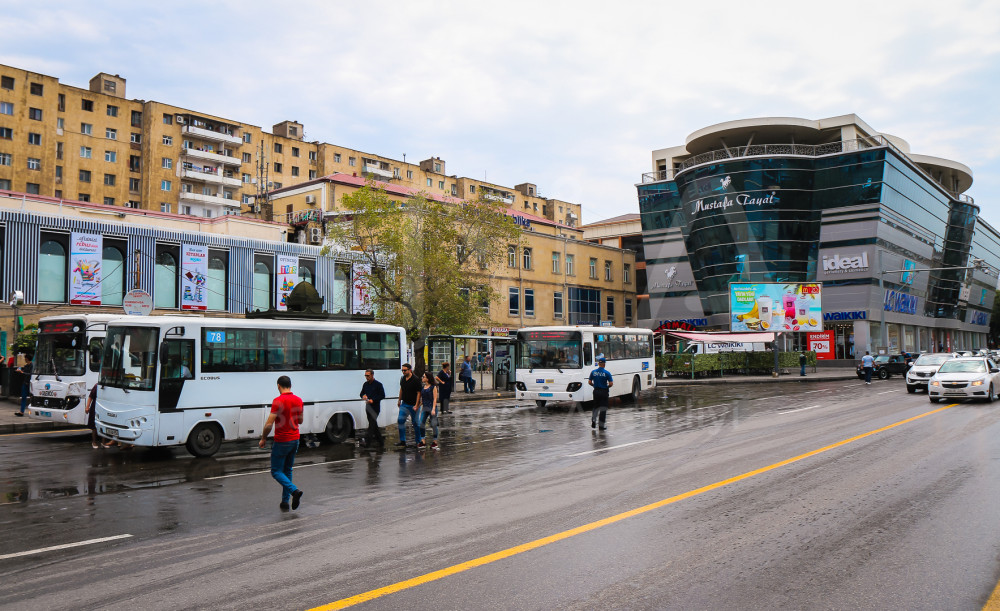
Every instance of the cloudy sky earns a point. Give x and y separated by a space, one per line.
571 96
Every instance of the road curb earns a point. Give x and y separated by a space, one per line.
34 427
753 380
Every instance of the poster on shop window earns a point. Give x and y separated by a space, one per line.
86 250
361 302
286 278
194 274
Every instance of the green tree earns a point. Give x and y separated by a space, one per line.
26 341
430 261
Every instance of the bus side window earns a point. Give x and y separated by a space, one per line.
587 354
96 345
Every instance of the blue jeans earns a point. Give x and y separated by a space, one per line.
282 460
24 397
425 413
406 411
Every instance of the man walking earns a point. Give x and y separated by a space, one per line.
372 392
868 363
409 391
465 374
25 371
602 382
285 417
445 384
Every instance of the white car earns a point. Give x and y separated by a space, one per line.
919 374
967 377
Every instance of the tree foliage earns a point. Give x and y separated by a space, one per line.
430 261
26 341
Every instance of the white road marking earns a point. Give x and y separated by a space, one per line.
801 409
314 464
65 546
885 392
765 398
812 391
624 445
710 406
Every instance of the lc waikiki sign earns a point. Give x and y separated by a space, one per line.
900 302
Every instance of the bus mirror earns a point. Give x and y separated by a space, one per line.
163 353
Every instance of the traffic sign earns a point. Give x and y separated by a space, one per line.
137 302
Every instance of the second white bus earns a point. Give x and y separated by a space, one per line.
197 382
554 363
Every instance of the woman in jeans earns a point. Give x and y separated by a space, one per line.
428 409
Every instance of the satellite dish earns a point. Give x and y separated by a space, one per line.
15 299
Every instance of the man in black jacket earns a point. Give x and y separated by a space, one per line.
373 393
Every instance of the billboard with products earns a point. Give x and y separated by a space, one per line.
777 306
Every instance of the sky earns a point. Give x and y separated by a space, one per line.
570 96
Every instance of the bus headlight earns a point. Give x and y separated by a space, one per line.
521 386
574 386
72 402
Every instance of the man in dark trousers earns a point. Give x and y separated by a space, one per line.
373 393
445 384
24 370
409 392
602 382
285 417
802 363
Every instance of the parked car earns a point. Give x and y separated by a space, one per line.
972 377
886 366
923 368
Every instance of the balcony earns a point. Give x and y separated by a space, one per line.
192 153
377 171
207 134
214 177
198 198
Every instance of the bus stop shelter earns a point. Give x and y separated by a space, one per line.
491 357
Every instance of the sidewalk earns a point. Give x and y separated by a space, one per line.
821 374
9 423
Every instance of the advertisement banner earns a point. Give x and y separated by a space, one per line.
822 344
775 307
361 302
286 278
85 251
194 273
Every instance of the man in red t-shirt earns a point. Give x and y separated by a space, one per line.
286 416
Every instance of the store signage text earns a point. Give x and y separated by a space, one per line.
686 324
742 199
900 302
980 318
521 221
855 315
836 264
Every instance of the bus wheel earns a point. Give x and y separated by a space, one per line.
339 428
205 439
539 403
633 396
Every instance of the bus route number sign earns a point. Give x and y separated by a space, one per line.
215 337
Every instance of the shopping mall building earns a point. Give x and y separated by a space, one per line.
788 200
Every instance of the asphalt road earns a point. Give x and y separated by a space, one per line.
696 498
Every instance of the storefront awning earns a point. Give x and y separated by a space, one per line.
693 336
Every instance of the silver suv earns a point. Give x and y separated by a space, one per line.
923 368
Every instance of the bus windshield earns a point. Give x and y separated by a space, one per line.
130 358
63 354
548 350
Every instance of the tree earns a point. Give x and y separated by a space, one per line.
26 341
430 261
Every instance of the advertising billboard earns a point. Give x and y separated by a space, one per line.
85 257
776 306
194 273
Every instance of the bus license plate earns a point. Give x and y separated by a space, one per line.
544 394
111 432
44 414
48 393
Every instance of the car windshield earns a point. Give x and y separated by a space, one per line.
881 359
962 366
61 354
130 358
931 359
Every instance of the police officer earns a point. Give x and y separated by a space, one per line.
602 382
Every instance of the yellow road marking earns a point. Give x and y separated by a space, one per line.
993 604
524 547
45 432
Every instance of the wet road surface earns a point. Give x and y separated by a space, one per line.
905 517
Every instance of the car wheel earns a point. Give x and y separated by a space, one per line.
883 374
990 397
205 439
933 399
911 389
539 403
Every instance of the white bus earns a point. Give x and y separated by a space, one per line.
66 365
172 380
554 363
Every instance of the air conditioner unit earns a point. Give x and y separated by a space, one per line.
310 199
180 119
315 235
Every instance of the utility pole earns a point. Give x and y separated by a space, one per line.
262 207
138 270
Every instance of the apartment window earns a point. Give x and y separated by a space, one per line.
84 175
526 258
246 178
513 297
207 213
6 159
246 198
59 171
168 119
62 102
295 171
86 129
6 108
59 150
110 156
166 163
276 185
85 152
133 184
109 201
611 308
277 147
134 163
628 311
247 137
165 185
525 205
295 151
109 180
35 88
312 155
7 82
409 174
6 133
557 304
336 157
277 167
168 140
626 268
35 114
607 270
135 138
437 167
555 263
87 105
5 185
511 257
186 144
205 190
136 118
112 111
529 302
312 174
429 182
593 268
247 158
83 197
33 188
34 164
472 188
111 134
186 210
569 266
35 139
110 86
440 184
164 207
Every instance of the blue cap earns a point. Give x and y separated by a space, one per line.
601 359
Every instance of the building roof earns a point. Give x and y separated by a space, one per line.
624 218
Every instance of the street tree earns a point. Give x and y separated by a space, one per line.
430 261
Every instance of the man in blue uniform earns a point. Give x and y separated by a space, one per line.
602 382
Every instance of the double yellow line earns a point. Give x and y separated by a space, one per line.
524 547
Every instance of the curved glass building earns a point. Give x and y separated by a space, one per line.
834 201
